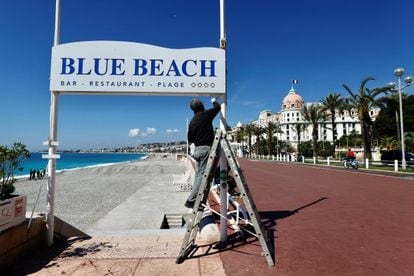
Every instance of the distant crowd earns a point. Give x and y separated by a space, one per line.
36 174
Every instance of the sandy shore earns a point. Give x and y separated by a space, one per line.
121 197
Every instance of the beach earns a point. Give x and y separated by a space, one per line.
113 198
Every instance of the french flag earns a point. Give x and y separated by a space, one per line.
295 81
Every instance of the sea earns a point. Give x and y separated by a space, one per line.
74 160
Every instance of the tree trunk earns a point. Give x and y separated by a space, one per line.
333 131
250 146
314 140
366 134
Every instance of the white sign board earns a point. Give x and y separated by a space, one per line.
134 68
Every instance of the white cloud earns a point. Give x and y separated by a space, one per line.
172 131
151 130
134 132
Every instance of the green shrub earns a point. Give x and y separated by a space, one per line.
10 159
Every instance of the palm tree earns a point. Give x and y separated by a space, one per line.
409 140
362 102
391 102
388 142
258 131
332 103
271 129
299 129
248 130
314 114
239 135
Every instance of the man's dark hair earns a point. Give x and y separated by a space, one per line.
196 105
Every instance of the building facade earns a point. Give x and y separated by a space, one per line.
290 115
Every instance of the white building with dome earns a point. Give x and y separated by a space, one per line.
290 114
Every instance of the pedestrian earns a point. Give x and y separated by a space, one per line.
201 133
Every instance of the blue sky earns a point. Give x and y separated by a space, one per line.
322 43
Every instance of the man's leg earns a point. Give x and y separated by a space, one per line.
201 154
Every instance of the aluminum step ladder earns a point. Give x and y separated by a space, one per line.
188 245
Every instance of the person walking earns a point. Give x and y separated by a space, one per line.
201 133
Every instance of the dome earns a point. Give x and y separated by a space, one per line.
292 100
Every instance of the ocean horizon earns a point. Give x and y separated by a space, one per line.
75 160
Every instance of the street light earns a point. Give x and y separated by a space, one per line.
408 80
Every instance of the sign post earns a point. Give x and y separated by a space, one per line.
223 123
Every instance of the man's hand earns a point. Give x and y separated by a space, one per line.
219 100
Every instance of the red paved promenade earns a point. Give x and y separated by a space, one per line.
328 222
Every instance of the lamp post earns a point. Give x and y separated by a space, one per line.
399 72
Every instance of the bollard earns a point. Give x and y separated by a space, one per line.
328 161
314 160
367 163
303 159
273 157
396 165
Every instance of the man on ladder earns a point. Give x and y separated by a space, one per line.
201 133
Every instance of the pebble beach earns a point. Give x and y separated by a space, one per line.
119 197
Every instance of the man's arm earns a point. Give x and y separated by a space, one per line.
216 108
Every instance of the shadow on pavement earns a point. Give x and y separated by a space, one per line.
269 218
44 257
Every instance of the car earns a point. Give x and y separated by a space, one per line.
389 156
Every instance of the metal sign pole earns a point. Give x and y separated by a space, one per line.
223 123
52 143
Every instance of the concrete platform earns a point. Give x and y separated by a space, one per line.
136 253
